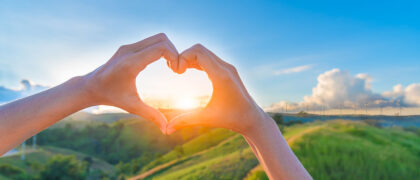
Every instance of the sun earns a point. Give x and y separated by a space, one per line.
186 103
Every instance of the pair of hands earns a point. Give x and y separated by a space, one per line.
230 106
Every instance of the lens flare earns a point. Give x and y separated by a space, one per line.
186 103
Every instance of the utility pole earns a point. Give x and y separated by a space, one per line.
400 110
34 142
366 105
286 107
355 109
399 107
381 110
22 155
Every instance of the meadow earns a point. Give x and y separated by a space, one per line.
126 147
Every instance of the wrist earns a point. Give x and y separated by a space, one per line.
80 87
263 125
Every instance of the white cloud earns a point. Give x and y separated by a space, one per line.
397 92
412 94
296 69
339 89
27 88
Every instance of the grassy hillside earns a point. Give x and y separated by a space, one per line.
198 144
237 159
344 150
120 141
352 150
82 119
329 150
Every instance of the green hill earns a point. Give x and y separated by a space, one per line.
133 146
196 145
329 150
82 119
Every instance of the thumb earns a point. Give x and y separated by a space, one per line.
185 120
151 114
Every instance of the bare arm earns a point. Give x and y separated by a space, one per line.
232 107
24 118
274 153
111 84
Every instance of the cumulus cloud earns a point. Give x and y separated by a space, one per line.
339 89
410 96
292 70
27 88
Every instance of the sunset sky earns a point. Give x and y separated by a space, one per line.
334 53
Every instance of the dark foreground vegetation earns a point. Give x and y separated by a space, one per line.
121 147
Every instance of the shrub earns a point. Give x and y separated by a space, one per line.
12 172
63 167
258 175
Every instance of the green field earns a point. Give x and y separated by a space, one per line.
329 150
135 148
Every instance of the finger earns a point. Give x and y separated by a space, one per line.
168 63
152 53
174 62
226 66
185 120
151 114
140 45
188 63
182 66
198 57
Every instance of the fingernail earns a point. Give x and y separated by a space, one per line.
163 130
170 130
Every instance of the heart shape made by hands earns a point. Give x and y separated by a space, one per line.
161 88
114 84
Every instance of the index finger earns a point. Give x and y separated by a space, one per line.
140 45
152 53
200 58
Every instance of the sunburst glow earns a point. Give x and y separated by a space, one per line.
186 103
161 88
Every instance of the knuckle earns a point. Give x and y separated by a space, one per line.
123 47
225 75
198 46
162 37
231 68
198 49
124 66
162 46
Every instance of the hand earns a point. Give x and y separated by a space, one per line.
230 105
114 83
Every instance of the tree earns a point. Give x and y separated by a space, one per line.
12 172
63 167
89 161
179 151
278 118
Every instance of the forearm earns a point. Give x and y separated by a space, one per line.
274 153
256 153
24 118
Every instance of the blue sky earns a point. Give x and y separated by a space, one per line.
279 47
